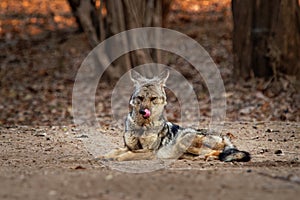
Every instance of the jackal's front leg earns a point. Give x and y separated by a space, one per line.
124 154
113 155
136 155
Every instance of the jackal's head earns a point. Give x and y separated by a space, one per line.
149 98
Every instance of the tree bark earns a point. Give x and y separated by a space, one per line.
86 16
266 37
242 44
120 15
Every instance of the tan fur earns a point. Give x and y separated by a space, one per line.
154 137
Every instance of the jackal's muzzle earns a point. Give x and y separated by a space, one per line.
145 113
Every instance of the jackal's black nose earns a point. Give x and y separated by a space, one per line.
142 112
145 113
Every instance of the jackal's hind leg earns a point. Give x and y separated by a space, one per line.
209 146
214 154
196 146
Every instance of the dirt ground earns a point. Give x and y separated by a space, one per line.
53 163
43 155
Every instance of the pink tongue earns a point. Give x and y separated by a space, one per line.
147 113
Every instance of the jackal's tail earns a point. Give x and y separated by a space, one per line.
233 154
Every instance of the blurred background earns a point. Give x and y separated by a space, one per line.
254 43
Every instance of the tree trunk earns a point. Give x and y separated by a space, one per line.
128 14
120 15
266 37
86 16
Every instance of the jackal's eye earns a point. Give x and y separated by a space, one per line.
140 98
153 98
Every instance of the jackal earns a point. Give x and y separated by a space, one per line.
148 135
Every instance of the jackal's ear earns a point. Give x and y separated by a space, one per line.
136 77
163 77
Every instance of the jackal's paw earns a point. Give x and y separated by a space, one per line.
213 155
231 155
